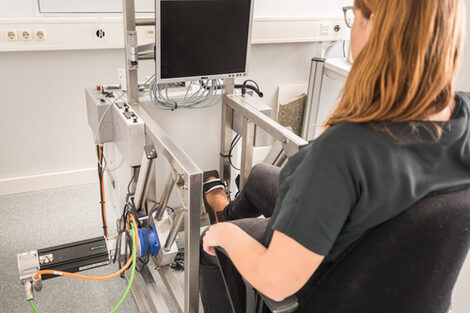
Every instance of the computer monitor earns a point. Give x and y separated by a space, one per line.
202 39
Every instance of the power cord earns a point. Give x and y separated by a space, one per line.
100 153
244 86
233 144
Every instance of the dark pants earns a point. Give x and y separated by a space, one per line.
257 198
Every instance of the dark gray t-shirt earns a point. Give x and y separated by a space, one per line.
355 177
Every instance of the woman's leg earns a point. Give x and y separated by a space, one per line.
214 296
258 196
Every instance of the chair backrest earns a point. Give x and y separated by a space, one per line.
408 264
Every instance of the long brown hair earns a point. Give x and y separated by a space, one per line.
407 69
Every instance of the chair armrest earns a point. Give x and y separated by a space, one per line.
289 305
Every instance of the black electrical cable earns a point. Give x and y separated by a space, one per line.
145 260
100 153
235 141
128 209
243 87
132 179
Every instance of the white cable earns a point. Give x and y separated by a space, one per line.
196 100
325 49
116 168
102 118
98 132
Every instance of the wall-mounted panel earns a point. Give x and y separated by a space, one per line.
91 6
77 33
263 8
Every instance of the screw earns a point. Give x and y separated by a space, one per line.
337 28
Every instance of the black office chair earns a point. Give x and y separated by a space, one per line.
408 264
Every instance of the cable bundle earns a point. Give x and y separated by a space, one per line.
195 100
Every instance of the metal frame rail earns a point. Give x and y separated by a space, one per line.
250 117
185 175
187 178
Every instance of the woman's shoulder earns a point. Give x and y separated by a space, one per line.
356 143
464 95
464 98
348 135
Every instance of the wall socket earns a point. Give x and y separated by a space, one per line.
26 34
11 35
150 33
325 29
39 35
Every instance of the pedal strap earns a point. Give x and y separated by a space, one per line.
213 184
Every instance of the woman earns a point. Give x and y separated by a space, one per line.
398 133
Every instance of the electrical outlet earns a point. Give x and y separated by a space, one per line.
100 33
150 33
26 35
40 35
11 35
325 29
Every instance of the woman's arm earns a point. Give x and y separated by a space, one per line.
277 272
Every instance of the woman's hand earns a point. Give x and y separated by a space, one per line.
213 237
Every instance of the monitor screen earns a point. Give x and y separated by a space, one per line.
199 39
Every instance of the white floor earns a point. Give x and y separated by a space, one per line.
46 218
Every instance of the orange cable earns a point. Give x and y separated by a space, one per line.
60 273
102 192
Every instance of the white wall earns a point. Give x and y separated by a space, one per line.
17 8
463 82
263 8
45 129
43 99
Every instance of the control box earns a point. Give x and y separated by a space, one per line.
118 123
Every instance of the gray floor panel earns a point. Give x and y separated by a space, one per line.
47 218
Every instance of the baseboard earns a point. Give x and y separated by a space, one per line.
47 181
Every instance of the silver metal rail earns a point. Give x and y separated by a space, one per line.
189 183
130 43
174 230
165 196
313 98
187 178
146 170
146 56
251 117
145 22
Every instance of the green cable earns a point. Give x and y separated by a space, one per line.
134 257
33 306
